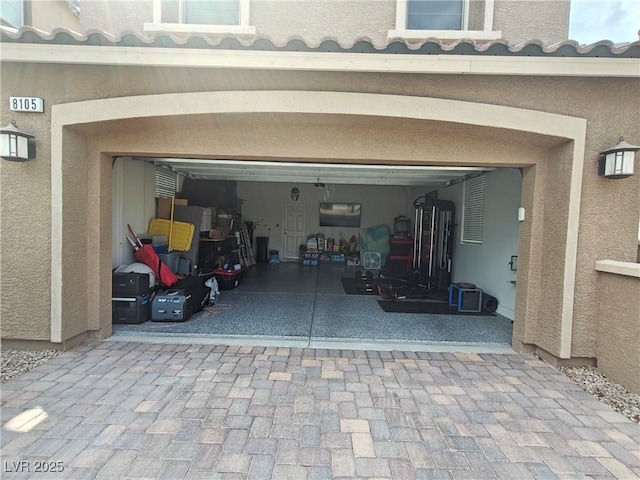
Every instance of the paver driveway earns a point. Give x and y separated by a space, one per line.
136 410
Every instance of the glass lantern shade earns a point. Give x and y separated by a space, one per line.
618 161
14 143
619 164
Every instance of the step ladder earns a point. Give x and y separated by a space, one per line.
245 250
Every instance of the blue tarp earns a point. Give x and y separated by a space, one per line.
375 239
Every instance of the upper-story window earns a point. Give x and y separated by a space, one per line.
12 12
444 19
201 12
206 16
435 14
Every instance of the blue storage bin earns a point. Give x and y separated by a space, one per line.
160 248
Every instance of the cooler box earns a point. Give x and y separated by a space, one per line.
130 310
173 306
129 284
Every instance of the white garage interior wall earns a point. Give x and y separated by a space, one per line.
263 203
487 265
133 203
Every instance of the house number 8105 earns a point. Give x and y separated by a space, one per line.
26 104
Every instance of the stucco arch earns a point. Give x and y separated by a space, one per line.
83 138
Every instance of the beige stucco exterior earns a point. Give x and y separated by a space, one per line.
490 123
50 14
349 21
618 334
548 115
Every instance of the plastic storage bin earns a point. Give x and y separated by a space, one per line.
466 297
171 260
224 220
228 279
160 243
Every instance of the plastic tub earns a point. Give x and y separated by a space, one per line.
224 220
171 260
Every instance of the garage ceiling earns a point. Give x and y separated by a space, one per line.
333 173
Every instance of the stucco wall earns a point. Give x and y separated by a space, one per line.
349 20
49 14
25 212
543 20
601 234
75 234
556 203
618 330
129 17
530 279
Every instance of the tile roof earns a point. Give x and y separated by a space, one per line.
428 46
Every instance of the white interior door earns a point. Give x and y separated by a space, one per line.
294 228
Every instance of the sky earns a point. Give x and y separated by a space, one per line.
615 20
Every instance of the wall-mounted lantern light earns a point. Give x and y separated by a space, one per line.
618 160
14 144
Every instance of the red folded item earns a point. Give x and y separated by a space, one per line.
147 255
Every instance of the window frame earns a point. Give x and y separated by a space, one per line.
243 27
464 20
487 33
8 22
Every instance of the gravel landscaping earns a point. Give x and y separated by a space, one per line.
614 395
16 362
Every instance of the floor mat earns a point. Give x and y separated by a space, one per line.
352 286
405 306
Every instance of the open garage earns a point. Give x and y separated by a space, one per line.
385 293
337 129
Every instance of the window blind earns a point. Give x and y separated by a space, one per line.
473 214
166 182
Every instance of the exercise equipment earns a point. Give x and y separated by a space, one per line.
364 275
433 241
386 291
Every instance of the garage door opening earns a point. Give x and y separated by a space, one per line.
307 285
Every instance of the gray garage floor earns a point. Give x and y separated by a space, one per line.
307 306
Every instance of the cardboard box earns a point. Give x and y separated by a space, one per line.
164 207
219 233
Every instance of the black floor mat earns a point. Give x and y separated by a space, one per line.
352 286
408 306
